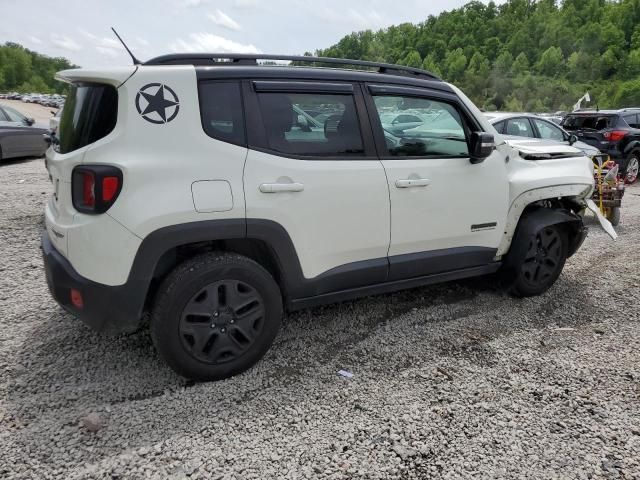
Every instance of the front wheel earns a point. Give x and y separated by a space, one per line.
215 316
542 263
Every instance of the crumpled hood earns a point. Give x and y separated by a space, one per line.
537 146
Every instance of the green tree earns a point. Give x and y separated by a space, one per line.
455 63
429 64
520 65
412 60
551 62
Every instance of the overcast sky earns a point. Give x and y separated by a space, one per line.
79 29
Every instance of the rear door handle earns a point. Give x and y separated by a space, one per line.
412 182
281 187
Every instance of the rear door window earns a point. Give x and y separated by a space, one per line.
589 122
222 112
291 129
90 113
632 120
519 127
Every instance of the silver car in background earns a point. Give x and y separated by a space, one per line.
528 125
19 137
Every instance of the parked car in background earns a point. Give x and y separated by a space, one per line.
534 126
54 122
614 132
398 122
19 137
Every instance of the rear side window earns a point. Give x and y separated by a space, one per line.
632 120
548 130
221 111
90 113
499 126
519 127
292 128
589 122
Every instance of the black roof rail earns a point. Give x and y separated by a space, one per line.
252 59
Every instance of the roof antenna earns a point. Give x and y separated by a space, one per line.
133 57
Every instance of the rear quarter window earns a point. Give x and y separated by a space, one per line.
589 122
221 111
90 113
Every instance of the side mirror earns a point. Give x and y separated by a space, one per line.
572 139
482 145
53 112
29 121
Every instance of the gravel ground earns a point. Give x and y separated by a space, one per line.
453 381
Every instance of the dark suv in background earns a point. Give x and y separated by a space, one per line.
614 132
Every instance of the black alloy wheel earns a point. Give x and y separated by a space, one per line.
221 321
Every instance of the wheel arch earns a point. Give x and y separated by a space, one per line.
267 243
532 221
563 196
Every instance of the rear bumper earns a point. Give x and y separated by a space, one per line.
105 308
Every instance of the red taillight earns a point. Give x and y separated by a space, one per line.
109 188
615 135
88 189
95 188
76 298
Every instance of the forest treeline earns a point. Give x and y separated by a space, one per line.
24 71
534 55
521 55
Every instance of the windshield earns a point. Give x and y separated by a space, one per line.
588 122
89 114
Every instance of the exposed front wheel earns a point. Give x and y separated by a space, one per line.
215 316
542 263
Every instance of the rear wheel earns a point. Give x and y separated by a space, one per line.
542 263
632 168
215 316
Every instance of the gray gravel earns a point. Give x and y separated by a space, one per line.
452 381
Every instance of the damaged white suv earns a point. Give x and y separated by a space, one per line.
215 192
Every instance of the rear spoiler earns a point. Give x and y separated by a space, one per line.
115 76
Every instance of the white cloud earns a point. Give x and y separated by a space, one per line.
107 52
355 19
223 20
192 3
65 43
35 40
142 41
207 42
245 4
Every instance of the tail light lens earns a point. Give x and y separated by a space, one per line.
95 188
615 135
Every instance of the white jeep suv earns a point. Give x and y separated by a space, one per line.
215 192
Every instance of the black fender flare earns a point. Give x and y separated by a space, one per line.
530 223
632 147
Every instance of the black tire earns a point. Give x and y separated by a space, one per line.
215 316
543 262
613 215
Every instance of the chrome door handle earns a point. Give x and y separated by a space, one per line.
281 187
413 182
